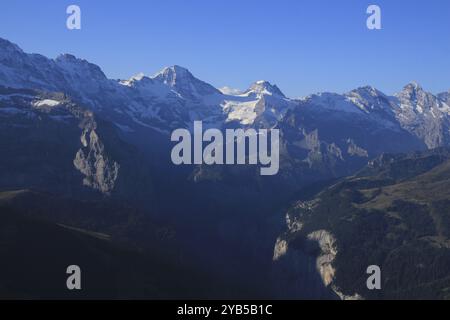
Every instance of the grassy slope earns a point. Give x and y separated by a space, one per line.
397 217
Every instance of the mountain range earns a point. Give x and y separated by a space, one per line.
70 132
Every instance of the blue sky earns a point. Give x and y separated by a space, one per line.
304 46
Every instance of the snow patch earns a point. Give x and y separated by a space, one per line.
46 103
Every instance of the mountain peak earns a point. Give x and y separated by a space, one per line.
172 73
8 45
413 86
178 69
369 100
368 90
414 92
74 65
183 82
265 87
9 51
66 57
138 77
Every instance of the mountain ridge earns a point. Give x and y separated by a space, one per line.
181 98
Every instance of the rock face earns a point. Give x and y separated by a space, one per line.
304 273
100 172
294 262
42 121
424 115
328 251
281 248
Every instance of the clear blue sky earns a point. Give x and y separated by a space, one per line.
303 46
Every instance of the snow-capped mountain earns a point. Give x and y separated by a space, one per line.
262 87
424 114
263 104
366 100
184 83
65 73
170 99
372 101
175 98
334 135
